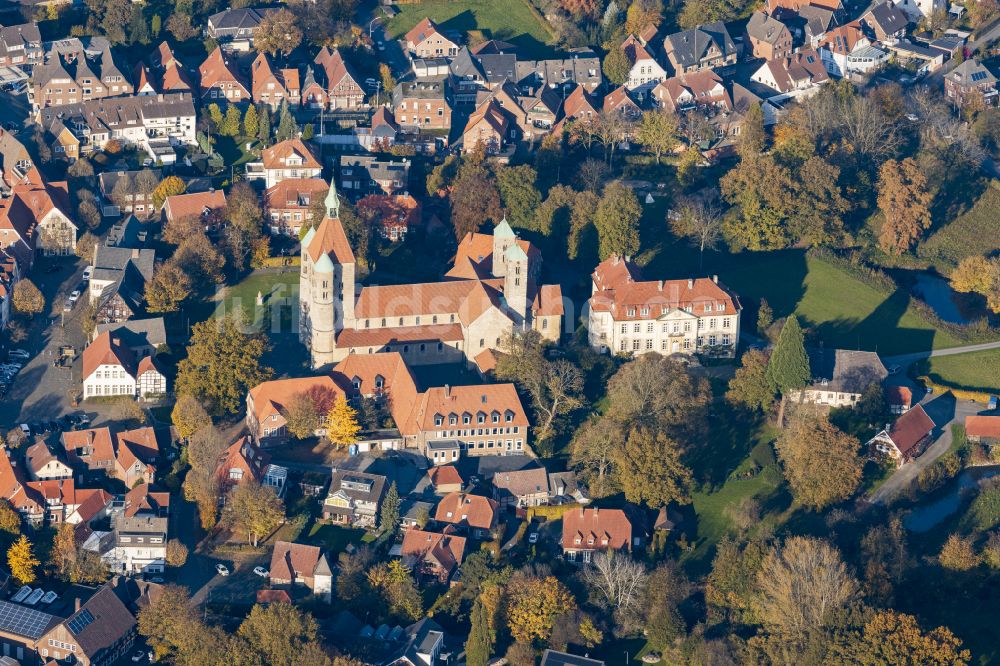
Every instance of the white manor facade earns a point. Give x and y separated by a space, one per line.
491 289
629 316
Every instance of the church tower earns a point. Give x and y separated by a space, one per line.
515 285
503 238
326 285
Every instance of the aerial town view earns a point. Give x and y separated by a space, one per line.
499 332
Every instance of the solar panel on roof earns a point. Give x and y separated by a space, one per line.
978 76
49 597
23 621
22 594
80 621
35 597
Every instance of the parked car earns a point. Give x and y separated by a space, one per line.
68 306
222 569
75 296
26 429
533 538
87 272
261 571
159 580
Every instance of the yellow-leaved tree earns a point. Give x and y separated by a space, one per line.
533 605
341 424
22 561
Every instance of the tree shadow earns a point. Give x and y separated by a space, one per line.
868 333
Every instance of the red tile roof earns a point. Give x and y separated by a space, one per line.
107 350
899 395
910 429
464 509
290 561
143 499
593 529
444 475
275 156
422 31
441 552
217 69
330 239
983 426
197 204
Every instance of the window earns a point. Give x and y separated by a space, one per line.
649 327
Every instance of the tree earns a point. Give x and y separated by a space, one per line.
245 227
168 187
979 275
188 416
28 299
386 77
617 221
279 632
657 131
957 554
89 213
475 199
788 367
169 287
342 423
765 317
619 580
903 198
22 561
582 9
821 463
395 585
251 122
482 637
230 125
700 221
760 189
884 560
389 513
617 66
278 32
264 126
124 193
146 182
659 393
592 174
169 623
593 452
650 471
177 553
815 217
519 194
665 589
255 508
895 638
801 584
128 410
608 127
641 13
752 136
10 520
304 416
288 128
181 27
533 605
749 386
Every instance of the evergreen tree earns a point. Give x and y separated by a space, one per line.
231 123
251 123
307 131
788 368
138 29
287 127
215 113
389 516
157 25
264 126
480 643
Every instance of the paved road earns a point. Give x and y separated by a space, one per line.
906 359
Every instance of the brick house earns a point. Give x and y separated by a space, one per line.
220 79
587 531
431 554
268 403
971 80
271 87
291 158
475 514
425 40
343 88
288 204
768 37
422 103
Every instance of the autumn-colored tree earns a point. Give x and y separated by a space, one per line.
979 275
958 554
304 416
21 560
659 393
394 583
594 449
642 13
28 299
188 416
801 584
815 217
617 221
85 246
279 632
896 638
760 189
650 470
222 364
657 131
749 386
475 199
177 553
255 508
341 423
533 605
752 136
903 198
731 586
169 287
822 463
278 32
616 66
168 187
582 9
10 520
251 121
169 624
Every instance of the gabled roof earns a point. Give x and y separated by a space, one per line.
439 551
845 370
275 156
100 623
910 429
422 32
844 39
982 426
107 350
217 69
465 509
688 47
520 483
97 440
245 456
290 561
197 204
444 475
899 395
142 499
971 73
330 240
619 99
634 50
596 529
579 104
886 18
275 396
800 68
766 28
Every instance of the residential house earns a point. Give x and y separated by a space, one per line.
10 274
35 218
905 439
627 314
144 501
488 129
136 454
128 456
91 450
242 461
118 283
422 104
645 71
798 75
768 37
581 68
542 110
313 91
94 505
129 199
220 79
445 479
703 90
395 215
422 643
236 27
886 22
42 464
556 658
432 555
140 545
289 204
816 22
704 47
361 175
268 404
984 430
475 514
291 158
971 82
77 76
782 8
846 50
917 57
19 491
580 105
167 73
143 337
272 87
20 46
298 564
586 531
621 100
470 73
839 377
566 487
209 207
900 398
98 631
521 488
425 40
15 160
110 368
918 10
354 498
152 123
343 85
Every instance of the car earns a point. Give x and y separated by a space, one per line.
26 429
159 580
68 306
18 353
222 569
261 571
80 419
75 296
894 369
533 538
87 272
139 655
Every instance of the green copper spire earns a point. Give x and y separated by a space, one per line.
332 201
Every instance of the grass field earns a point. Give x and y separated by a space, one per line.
509 20
334 538
977 371
281 297
975 232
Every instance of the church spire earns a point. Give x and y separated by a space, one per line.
332 201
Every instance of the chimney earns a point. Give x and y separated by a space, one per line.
447 390
715 279
690 283
661 285
76 605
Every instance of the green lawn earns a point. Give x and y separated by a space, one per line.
281 297
334 538
509 20
975 232
977 371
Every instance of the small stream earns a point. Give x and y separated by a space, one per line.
926 515
938 294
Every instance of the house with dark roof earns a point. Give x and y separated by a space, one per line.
840 376
298 564
556 658
20 45
101 631
77 76
797 75
707 46
423 103
236 27
521 488
354 498
44 464
768 37
905 439
581 68
143 337
361 175
470 73
971 81
885 22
